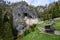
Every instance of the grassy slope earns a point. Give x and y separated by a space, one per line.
57 24
38 36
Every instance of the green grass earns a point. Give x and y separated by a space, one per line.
57 25
36 35
41 25
39 36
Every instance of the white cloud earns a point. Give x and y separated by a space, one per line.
35 2
39 2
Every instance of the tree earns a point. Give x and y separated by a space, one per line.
7 31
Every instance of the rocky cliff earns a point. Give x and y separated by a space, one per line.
20 11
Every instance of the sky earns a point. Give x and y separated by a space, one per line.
34 2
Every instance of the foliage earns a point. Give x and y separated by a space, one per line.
7 32
50 12
31 29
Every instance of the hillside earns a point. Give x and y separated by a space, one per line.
37 35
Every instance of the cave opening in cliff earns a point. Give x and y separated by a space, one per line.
25 14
